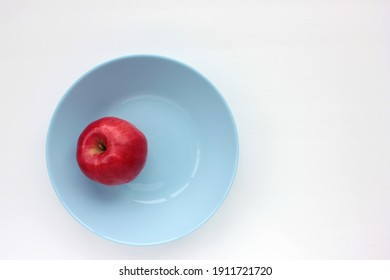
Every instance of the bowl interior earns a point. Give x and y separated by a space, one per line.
192 150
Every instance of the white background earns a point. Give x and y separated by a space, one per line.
308 84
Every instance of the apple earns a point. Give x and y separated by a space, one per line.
111 151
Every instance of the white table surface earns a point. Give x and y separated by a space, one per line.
308 83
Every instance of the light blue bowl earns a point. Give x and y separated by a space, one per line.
192 142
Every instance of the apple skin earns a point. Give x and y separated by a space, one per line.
111 151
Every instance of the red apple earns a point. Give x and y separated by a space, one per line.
111 151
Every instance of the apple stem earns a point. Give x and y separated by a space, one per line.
102 147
